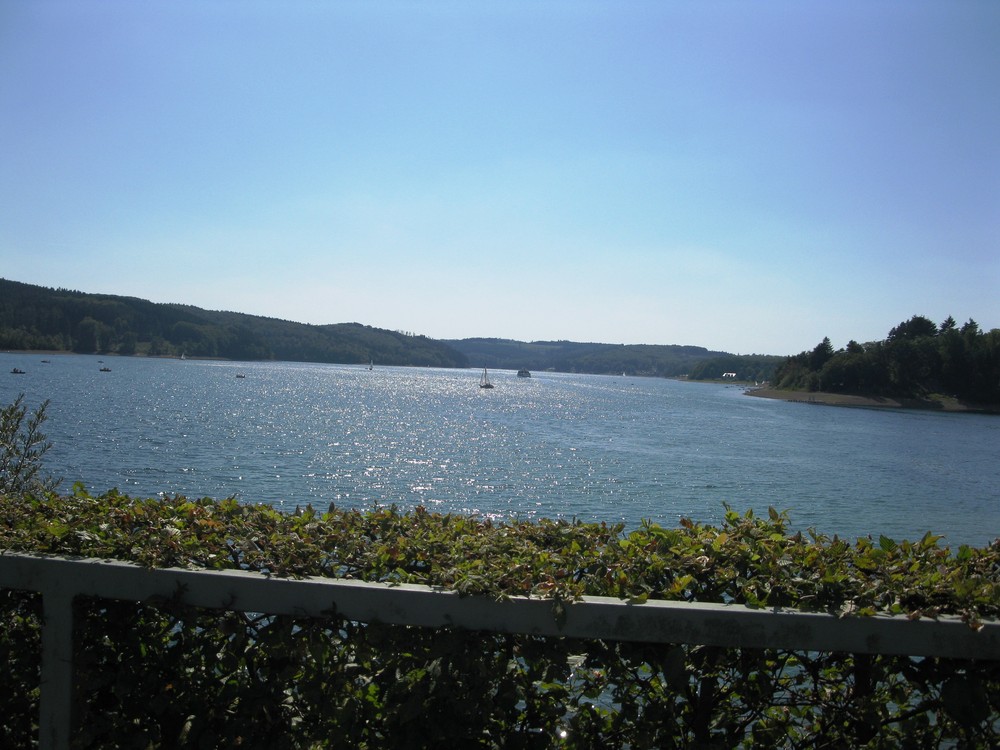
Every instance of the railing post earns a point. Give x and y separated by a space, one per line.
56 700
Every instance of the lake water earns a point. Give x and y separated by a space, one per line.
553 445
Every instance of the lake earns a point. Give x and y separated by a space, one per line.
616 449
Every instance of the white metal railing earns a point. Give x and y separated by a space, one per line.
60 579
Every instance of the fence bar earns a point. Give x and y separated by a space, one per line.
605 618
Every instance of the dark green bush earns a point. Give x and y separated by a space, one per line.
169 675
22 448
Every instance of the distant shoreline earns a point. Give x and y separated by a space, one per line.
936 403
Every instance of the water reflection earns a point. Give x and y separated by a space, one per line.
596 448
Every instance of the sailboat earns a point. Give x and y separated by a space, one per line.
484 381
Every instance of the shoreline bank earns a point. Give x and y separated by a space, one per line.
823 398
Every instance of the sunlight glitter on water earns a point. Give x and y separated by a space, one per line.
596 448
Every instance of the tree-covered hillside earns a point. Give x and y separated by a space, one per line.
918 358
35 317
568 356
38 318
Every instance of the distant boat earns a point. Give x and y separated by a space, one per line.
240 375
371 364
522 373
17 371
105 369
484 381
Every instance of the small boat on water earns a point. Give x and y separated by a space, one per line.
240 376
484 381
522 373
17 371
105 369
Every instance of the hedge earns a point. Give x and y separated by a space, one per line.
165 675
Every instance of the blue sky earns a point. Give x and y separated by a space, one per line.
749 177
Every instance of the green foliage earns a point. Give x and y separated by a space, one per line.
33 317
917 359
20 655
755 368
165 675
917 327
569 356
22 447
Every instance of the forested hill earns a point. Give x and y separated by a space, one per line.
917 359
38 318
35 317
608 359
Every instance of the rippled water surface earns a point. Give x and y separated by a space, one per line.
555 445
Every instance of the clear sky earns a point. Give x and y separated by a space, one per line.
744 176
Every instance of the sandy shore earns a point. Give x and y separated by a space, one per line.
937 403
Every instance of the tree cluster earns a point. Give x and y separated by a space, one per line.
747 367
916 359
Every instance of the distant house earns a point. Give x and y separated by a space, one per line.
729 374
